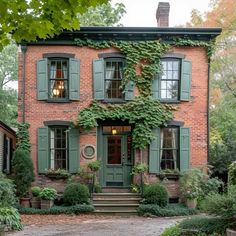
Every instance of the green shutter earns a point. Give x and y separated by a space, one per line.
184 148
129 91
42 79
185 84
43 150
74 150
74 76
154 153
156 88
98 79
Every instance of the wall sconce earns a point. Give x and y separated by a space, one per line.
113 131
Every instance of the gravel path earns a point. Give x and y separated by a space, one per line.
96 226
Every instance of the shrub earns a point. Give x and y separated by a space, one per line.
94 165
222 204
156 194
206 225
48 194
7 192
56 210
172 231
10 218
232 173
23 171
169 210
75 193
36 191
191 183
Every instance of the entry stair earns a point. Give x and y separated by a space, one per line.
111 201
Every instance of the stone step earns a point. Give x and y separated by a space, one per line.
115 190
115 212
97 200
115 207
115 195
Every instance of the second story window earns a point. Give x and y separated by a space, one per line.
113 79
170 79
58 78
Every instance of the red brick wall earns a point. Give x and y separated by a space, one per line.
193 113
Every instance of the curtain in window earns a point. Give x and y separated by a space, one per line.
110 72
174 146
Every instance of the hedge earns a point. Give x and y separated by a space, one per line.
169 210
56 210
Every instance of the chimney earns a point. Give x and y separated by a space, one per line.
162 14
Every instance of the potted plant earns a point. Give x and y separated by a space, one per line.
191 186
35 201
93 166
47 195
23 175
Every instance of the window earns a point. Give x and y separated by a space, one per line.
170 79
58 78
113 79
174 82
58 148
169 148
107 80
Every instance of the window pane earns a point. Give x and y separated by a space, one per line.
163 84
58 148
114 150
113 76
163 94
175 65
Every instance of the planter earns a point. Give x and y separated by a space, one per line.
169 176
191 203
230 232
35 202
25 202
46 204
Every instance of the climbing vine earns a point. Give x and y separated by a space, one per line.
144 112
142 64
22 134
142 60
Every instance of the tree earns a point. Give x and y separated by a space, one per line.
223 83
8 73
27 20
103 15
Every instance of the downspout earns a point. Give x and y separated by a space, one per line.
208 110
23 50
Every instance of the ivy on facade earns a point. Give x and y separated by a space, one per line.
144 112
142 64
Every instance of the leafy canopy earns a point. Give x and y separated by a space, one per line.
31 19
103 15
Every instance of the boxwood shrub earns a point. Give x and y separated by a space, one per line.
75 193
56 210
169 210
155 194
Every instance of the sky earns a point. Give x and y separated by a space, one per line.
143 12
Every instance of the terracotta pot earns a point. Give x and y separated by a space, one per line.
230 232
35 202
46 204
191 203
25 201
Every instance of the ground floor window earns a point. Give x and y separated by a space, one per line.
169 148
58 148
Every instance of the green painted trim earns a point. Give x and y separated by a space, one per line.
167 34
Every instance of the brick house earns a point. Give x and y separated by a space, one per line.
58 79
7 146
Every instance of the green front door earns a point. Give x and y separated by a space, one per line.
117 160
